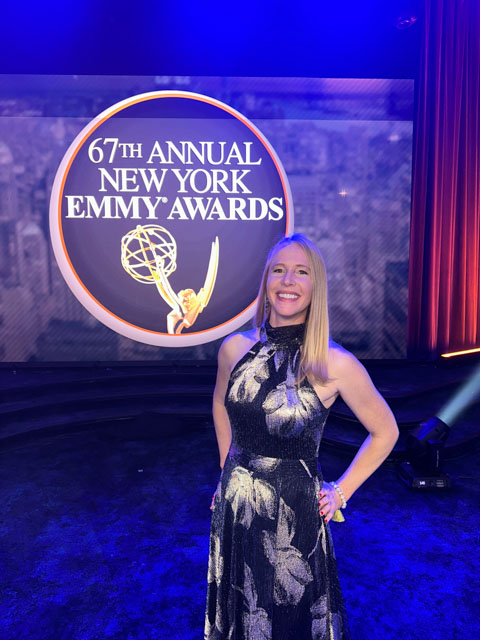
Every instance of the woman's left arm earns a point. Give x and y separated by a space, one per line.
359 393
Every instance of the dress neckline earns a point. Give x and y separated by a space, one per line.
290 335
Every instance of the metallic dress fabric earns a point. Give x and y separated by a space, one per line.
272 572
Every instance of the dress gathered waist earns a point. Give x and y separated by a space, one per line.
261 462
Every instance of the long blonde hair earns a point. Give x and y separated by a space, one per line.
314 358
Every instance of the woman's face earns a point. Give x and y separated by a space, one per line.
289 286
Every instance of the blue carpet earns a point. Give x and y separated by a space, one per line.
105 535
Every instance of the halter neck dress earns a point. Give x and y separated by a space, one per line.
272 571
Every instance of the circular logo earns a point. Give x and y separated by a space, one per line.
162 212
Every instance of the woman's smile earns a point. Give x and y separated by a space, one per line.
284 295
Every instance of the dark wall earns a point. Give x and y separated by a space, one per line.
332 38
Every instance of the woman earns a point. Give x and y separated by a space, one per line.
272 572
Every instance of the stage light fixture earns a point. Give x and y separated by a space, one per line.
425 443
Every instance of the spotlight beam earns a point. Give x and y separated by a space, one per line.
461 400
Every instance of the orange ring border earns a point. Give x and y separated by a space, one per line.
67 170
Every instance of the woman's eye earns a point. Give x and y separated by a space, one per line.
303 272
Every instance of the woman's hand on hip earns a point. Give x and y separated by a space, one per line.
329 501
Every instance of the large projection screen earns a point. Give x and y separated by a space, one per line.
346 146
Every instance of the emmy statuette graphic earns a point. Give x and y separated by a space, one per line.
149 255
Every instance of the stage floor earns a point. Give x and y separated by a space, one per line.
105 535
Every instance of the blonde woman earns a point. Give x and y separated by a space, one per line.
272 572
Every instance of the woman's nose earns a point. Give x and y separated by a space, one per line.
288 277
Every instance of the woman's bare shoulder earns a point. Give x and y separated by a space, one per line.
340 360
339 357
236 345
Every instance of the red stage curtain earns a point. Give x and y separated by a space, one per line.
444 285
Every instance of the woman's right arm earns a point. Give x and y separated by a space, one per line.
223 430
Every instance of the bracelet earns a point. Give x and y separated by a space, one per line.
340 492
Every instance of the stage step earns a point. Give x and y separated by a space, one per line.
176 395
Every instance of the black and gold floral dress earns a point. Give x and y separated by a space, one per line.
272 572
